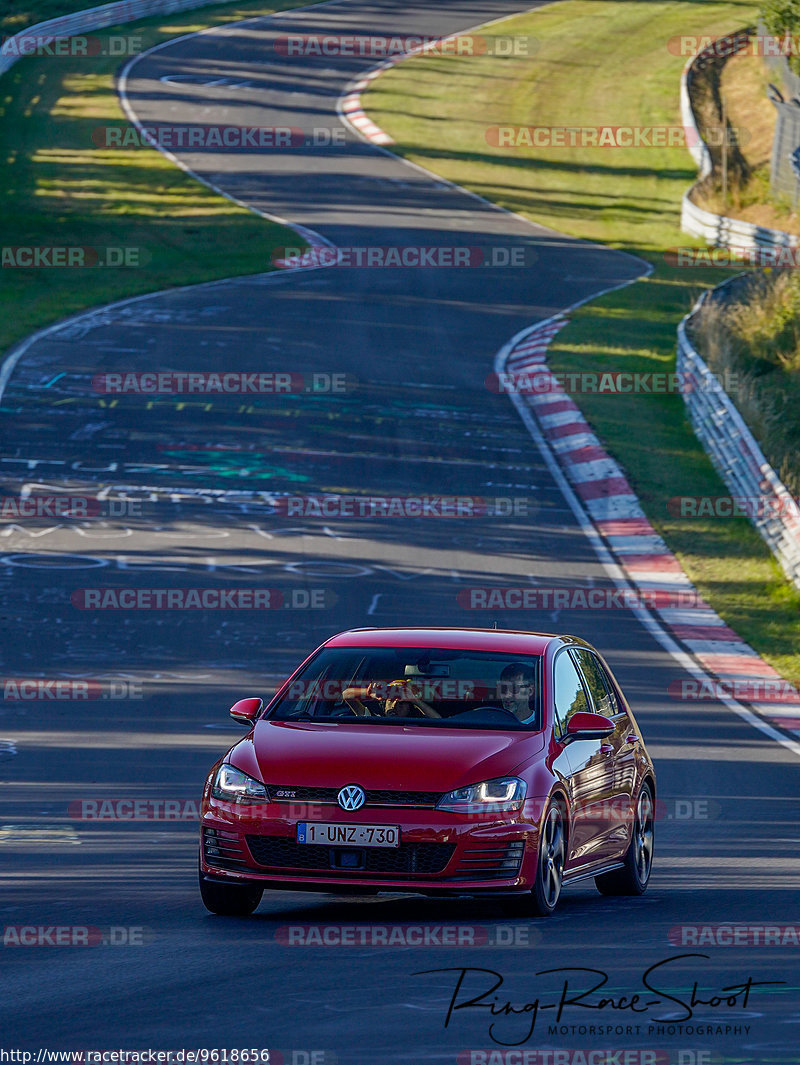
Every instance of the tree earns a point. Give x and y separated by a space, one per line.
782 17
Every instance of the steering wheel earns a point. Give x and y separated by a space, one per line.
501 709
417 712
344 711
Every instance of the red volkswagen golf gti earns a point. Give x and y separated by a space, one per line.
438 761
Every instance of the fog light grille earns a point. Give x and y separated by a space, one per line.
223 849
491 861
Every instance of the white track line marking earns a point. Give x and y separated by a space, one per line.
614 570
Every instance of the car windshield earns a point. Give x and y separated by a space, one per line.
430 687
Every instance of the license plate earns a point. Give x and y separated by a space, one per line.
348 835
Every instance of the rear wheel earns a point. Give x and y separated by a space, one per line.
229 900
632 878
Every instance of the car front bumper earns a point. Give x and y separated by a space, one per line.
439 852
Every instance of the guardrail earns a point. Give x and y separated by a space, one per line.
733 233
92 18
736 455
717 229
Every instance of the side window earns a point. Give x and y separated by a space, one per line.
598 683
569 694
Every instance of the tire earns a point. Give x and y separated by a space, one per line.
550 862
550 857
633 877
230 900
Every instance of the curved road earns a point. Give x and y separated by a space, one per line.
415 346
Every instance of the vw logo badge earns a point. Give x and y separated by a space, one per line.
351 797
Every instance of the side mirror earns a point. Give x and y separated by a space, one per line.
246 711
589 726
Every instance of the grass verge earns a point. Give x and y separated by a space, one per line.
439 110
741 82
60 189
755 334
16 16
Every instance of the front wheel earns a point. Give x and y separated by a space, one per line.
550 858
632 878
229 900
550 863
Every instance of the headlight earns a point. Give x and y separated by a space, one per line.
490 796
232 785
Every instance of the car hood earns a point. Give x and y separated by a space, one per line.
392 757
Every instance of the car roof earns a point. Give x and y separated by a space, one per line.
515 641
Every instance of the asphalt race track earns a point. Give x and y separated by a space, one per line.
413 416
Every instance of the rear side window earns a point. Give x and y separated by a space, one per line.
598 683
570 697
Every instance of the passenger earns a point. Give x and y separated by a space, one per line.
518 692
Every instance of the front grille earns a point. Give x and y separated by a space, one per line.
423 859
496 861
223 849
288 793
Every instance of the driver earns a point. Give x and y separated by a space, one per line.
403 698
400 698
517 690
358 696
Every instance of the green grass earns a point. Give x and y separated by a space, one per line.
16 16
755 334
60 189
600 62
